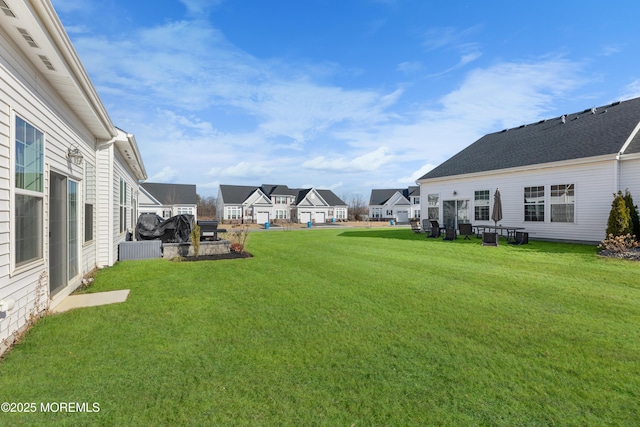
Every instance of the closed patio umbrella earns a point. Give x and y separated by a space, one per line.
496 215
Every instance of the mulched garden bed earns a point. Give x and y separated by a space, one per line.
230 255
632 254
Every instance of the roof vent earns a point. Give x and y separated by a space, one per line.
593 110
5 8
47 63
564 119
28 37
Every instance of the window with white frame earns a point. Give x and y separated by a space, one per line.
481 205
166 213
562 203
89 200
376 212
123 205
433 206
184 210
29 192
416 200
341 213
281 214
534 204
233 212
281 200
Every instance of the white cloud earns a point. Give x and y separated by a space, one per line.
244 170
411 179
632 90
167 174
370 161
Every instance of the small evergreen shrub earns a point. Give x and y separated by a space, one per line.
633 213
195 239
619 223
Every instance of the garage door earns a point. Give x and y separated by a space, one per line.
403 216
262 217
305 217
320 217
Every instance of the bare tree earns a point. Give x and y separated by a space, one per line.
357 206
206 207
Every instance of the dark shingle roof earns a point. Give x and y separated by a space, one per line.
277 190
331 198
172 194
589 133
381 195
236 194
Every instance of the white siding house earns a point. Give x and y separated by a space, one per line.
61 162
269 203
398 204
556 177
167 200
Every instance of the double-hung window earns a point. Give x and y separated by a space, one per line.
481 205
123 205
29 192
89 201
433 206
562 203
534 204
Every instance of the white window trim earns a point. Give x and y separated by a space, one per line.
13 270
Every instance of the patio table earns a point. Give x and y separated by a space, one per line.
510 231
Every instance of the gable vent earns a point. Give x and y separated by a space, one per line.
28 37
46 62
5 8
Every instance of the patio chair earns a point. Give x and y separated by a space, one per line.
449 234
489 238
435 229
522 238
415 226
426 226
465 230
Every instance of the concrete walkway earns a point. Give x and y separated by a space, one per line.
91 300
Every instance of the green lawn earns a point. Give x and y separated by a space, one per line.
363 327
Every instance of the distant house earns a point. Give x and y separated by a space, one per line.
167 200
556 177
398 204
269 203
68 177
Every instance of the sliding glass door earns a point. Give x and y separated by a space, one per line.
64 259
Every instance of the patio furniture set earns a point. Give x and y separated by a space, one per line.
489 233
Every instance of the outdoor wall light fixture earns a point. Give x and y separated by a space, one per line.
75 156
455 193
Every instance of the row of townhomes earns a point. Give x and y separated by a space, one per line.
556 177
398 204
167 200
68 177
270 203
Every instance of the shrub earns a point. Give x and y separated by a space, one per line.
633 213
618 244
237 236
619 223
195 239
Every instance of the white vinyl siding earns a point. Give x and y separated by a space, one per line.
594 184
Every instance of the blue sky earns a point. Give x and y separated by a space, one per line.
348 95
